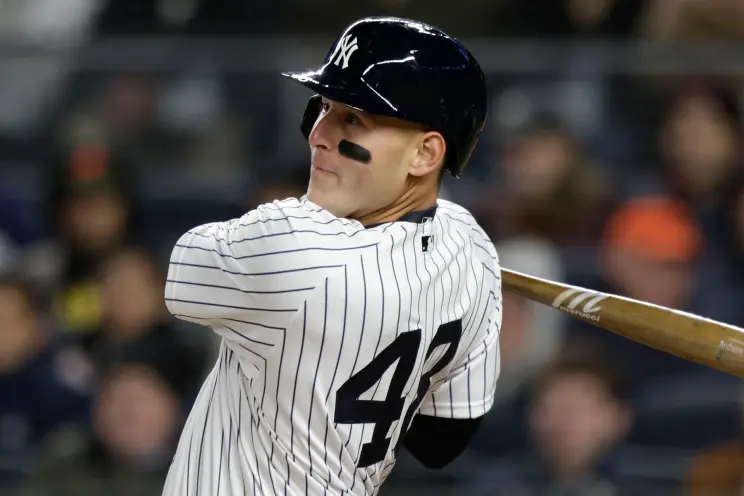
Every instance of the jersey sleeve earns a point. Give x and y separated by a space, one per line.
247 277
468 390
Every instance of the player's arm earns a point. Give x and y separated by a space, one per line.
206 282
447 421
449 415
231 276
436 442
248 277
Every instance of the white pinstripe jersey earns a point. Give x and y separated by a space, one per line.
334 336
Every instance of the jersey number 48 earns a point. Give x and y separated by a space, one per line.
404 350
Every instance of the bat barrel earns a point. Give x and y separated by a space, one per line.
691 337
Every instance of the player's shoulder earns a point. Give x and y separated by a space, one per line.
459 217
299 215
455 211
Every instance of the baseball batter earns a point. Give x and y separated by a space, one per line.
364 317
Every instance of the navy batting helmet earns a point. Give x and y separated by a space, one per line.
405 69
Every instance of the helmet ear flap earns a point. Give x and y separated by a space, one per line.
312 111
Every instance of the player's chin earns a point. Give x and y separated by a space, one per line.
319 194
329 199
323 184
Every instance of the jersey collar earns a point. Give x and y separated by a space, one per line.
415 217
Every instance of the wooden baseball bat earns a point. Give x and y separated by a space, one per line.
685 335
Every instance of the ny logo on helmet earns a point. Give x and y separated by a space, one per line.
347 47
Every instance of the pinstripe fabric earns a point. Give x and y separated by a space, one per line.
304 301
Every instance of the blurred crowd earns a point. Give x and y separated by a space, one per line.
618 181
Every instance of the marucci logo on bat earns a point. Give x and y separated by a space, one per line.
576 297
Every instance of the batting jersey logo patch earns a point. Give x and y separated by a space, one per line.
426 242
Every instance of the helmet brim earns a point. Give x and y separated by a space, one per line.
351 91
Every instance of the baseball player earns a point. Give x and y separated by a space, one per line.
363 317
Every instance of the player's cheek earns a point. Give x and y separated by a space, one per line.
365 179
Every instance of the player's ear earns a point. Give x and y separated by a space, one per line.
429 153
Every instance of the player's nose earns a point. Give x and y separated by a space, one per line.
324 134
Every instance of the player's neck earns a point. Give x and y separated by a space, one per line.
415 198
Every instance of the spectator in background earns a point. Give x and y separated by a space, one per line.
651 245
90 211
163 122
136 422
532 334
579 415
707 20
731 296
701 148
650 252
718 470
17 228
121 116
44 384
7 252
135 325
701 142
547 187
217 155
